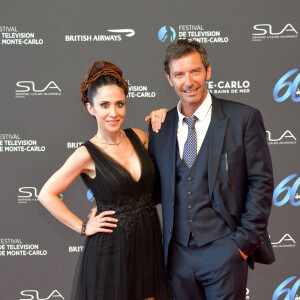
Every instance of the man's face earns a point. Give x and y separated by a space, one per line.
188 77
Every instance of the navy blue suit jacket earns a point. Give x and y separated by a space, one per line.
240 177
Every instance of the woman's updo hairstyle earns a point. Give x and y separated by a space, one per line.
101 73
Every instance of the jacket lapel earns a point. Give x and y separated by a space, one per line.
218 128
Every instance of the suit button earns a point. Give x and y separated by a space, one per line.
190 220
189 178
189 206
170 230
189 192
172 204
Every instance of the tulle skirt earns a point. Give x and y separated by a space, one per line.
124 265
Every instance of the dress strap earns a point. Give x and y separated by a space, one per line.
134 138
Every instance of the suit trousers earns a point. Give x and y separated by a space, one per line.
214 271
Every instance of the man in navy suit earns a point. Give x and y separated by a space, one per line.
216 183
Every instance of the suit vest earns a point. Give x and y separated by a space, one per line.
193 212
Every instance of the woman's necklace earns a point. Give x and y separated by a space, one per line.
106 143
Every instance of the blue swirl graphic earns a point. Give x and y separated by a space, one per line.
290 293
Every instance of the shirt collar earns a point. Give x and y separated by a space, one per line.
200 113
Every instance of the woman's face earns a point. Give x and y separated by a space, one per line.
109 107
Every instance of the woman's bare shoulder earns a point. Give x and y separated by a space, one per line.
80 156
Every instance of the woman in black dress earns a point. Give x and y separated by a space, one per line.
122 258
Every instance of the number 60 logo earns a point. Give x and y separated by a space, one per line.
291 191
291 87
289 293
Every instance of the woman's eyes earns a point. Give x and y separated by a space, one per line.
106 105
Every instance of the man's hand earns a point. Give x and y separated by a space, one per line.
157 117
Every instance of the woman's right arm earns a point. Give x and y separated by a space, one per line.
78 162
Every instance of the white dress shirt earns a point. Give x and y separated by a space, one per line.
203 113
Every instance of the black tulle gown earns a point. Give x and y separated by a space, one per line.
128 263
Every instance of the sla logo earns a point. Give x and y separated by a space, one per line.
284 242
286 138
264 29
166 33
291 191
29 193
289 88
29 86
90 196
34 295
290 294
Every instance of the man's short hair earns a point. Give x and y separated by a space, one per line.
181 48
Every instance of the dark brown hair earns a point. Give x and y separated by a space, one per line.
101 73
184 47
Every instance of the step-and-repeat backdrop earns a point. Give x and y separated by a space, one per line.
45 49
